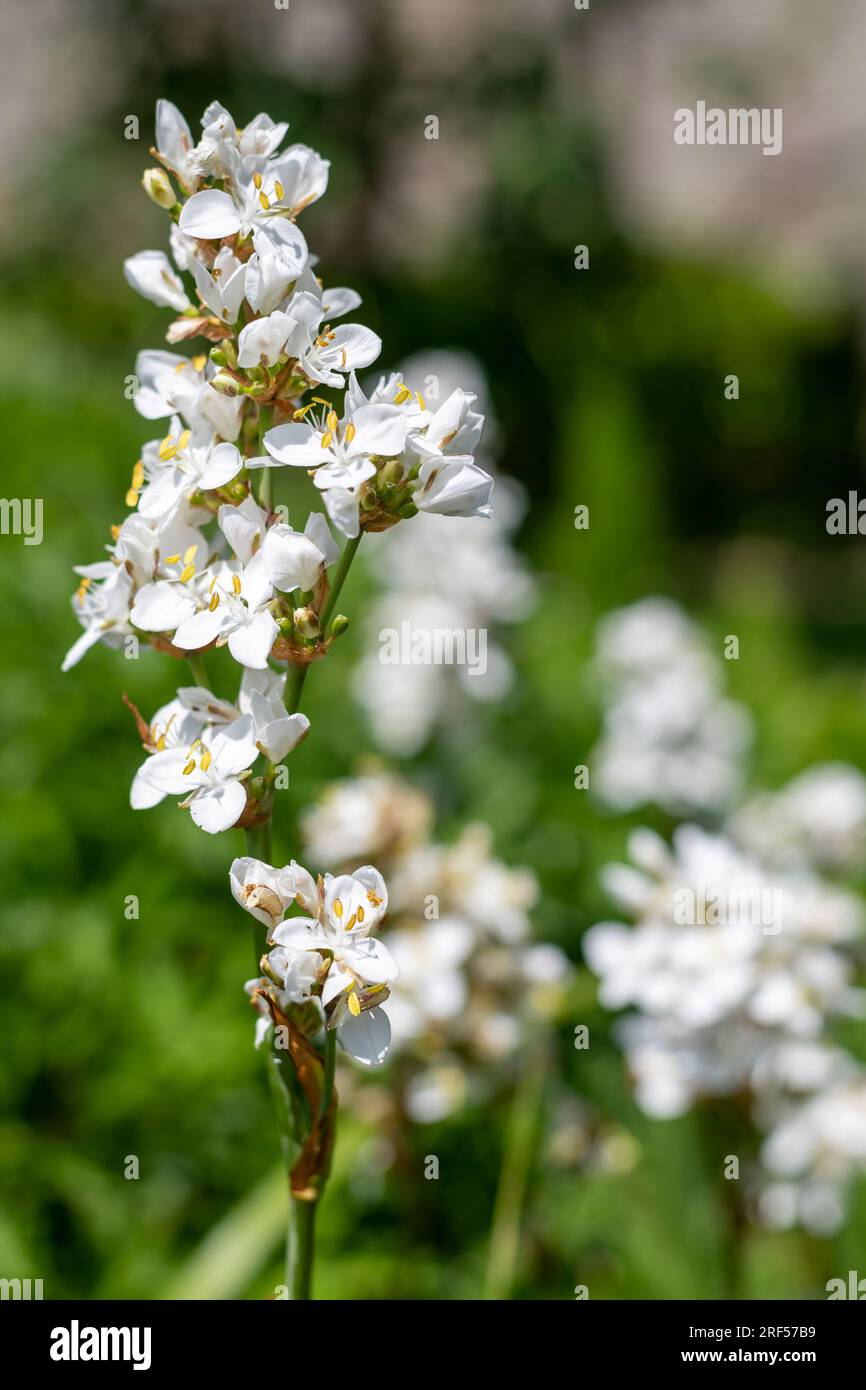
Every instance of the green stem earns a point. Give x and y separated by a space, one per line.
514 1177
298 674
266 476
330 1068
195 661
299 1249
343 567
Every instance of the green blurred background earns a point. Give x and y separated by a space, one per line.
124 1038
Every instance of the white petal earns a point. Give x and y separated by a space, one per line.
217 808
161 607
209 215
250 644
367 1038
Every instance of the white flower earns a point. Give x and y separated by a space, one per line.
333 353
174 143
350 907
173 726
340 451
267 893
293 560
184 462
150 274
238 614
221 141
172 385
283 331
101 605
208 773
453 429
222 287
453 487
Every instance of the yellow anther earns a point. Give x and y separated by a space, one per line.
168 448
343 358
184 439
257 180
172 559
187 573
198 362
402 395
338 908
205 760
327 439
131 498
354 1005
214 602
332 420
115 532
360 914
373 898
190 767
236 583
138 475
265 201
189 554
421 400
302 410
350 431
351 922
279 190
160 744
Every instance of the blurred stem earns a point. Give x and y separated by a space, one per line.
520 1139
330 1068
299 1249
195 661
265 492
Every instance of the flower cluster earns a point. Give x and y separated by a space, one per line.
203 558
327 959
670 735
468 579
742 955
473 983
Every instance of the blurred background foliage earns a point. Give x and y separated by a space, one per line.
132 1037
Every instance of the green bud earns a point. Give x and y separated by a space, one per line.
218 357
157 186
339 625
391 473
408 511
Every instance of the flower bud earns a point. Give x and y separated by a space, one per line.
307 622
225 384
218 357
339 625
157 186
391 473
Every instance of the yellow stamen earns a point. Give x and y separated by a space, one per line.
205 760
332 420
338 908
354 1005
421 400
351 922
402 395
160 744
236 583
279 190
190 767
265 201
257 180
189 554
168 448
360 914
184 439
214 602
187 573
350 431
198 362
172 559
131 498
138 475
327 439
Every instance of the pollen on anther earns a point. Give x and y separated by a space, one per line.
236 583
338 907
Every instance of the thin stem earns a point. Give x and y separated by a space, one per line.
330 1068
266 477
343 567
514 1177
195 661
299 1249
298 674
